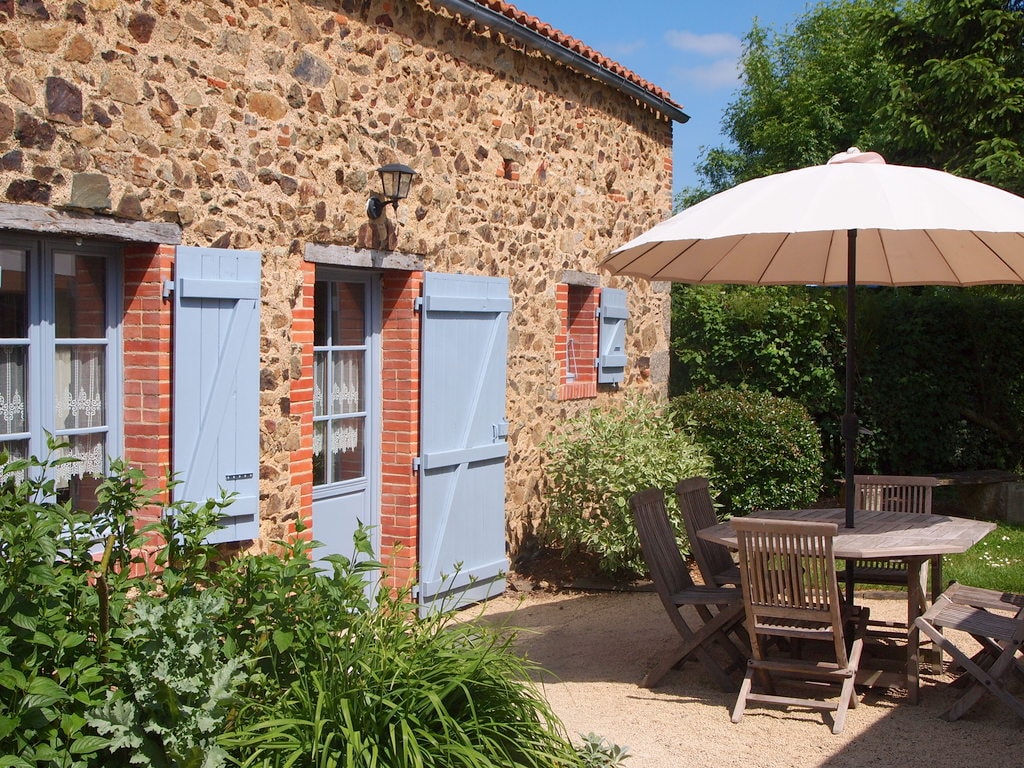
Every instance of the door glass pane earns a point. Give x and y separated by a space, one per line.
339 372
347 385
347 449
13 294
13 388
79 386
349 316
80 296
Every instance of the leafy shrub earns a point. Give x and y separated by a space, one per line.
786 340
600 459
766 450
60 609
596 752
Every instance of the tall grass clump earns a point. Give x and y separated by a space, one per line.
391 689
598 461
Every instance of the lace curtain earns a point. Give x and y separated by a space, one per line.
79 386
345 397
12 390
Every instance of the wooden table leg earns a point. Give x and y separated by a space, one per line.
916 576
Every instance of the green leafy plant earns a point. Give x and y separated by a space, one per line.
63 586
766 450
170 704
596 752
598 461
267 659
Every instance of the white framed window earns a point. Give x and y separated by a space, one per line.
60 356
341 358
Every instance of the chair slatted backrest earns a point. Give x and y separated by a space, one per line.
894 493
788 573
658 543
694 497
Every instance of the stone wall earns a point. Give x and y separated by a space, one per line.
259 125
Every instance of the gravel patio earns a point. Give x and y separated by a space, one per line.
596 645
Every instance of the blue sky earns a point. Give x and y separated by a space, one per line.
688 47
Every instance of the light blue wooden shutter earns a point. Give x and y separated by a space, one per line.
216 383
611 341
464 347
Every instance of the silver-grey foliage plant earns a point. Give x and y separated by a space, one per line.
179 685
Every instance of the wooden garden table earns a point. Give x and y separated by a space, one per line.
912 537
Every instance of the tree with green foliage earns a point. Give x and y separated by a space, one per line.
938 83
955 100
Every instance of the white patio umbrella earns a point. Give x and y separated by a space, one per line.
854 221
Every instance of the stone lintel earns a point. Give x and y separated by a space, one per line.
41 219
572 277
347 256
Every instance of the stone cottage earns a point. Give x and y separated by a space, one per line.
192 276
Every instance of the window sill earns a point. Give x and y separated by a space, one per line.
577 390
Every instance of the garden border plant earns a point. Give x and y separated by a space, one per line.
766 450
256 660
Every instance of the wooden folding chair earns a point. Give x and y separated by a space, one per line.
894 493
788 579
715 562
1001 635
676 589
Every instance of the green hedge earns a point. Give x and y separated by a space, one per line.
766 450
939 371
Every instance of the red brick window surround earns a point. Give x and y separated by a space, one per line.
576 342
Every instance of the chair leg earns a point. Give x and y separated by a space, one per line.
985 681
741 700
847 700
695 644
737 650
991 681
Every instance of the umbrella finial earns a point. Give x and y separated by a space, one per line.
854 155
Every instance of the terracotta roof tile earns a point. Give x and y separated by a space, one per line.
577 46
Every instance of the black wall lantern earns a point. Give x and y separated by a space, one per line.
395 180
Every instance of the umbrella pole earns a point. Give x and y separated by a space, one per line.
849 417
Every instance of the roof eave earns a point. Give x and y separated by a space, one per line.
536 40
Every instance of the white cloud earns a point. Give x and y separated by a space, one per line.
625 49
718 75
711 45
